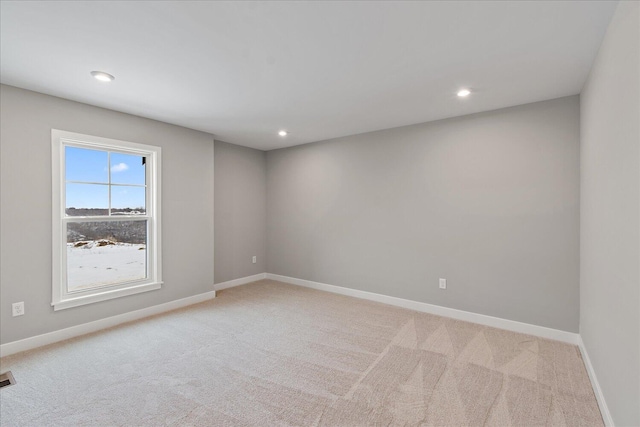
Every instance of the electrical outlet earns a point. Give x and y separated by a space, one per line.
255 259
443 283
17 308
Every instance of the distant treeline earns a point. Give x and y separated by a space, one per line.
117 231
97 211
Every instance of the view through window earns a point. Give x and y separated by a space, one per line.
98 184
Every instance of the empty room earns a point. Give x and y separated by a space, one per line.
320 213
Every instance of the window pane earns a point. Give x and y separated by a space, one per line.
86 165
127 200
103 253
87 199
127 169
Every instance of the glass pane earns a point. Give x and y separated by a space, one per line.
127 169
86 165
127 200
104 253
87 199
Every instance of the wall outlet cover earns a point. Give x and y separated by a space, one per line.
17 308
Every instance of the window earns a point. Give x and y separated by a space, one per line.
106 219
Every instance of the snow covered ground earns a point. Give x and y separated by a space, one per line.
90 265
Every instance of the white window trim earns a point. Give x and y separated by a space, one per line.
61 299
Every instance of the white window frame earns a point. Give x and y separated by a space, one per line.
61 298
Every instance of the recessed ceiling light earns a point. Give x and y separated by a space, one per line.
102 76
463 92
283 133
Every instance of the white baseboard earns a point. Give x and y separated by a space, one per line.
241 281
496 322
86 328
604 409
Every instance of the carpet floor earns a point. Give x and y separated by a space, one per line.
271 354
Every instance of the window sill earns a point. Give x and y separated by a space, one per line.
104 296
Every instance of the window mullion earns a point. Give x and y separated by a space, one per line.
109 178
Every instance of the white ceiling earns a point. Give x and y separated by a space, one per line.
244 70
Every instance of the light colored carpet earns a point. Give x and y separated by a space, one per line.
273 354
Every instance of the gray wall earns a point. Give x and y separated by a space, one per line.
240 211
487 201
25 208
610 216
